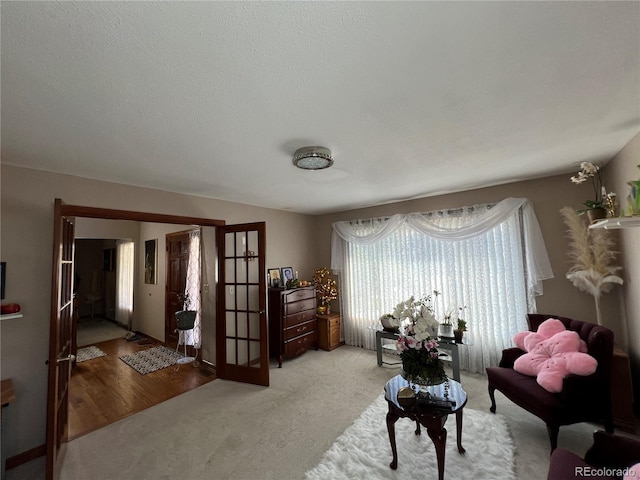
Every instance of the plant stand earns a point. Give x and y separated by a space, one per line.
185 321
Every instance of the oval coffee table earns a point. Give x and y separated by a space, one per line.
431 417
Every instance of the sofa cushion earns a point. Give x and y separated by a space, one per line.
525 391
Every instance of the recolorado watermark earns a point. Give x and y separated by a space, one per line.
604 472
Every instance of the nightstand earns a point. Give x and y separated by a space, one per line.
329 331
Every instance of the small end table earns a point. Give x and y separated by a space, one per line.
423 414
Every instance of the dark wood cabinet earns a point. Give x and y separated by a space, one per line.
292 322
329 331
621 392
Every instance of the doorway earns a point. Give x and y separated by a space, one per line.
61 310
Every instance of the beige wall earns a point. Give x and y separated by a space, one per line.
622 169
26 240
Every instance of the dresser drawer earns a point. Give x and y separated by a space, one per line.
298 294
298 318
300 329
299 345
295 307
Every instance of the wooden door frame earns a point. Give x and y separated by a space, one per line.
78 211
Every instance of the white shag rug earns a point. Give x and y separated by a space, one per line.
363 450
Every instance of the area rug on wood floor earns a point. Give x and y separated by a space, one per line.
152 359
88 353
363 449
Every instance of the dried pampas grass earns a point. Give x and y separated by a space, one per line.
593 254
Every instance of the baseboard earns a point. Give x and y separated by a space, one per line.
25 457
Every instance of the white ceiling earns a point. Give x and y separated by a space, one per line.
414 98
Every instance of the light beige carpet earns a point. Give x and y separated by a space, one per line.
226 430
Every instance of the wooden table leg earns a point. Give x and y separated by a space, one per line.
459 431
439 438
392 418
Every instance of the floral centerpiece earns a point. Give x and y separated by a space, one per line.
591 172
326 289
417 344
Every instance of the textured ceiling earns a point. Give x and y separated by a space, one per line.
414 99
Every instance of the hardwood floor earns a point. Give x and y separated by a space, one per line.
105 389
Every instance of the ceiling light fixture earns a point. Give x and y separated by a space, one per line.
312 158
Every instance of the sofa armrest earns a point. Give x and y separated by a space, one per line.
613 451
509 356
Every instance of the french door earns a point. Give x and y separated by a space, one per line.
242 337
60 341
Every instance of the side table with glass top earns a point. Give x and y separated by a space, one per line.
447 344
431 417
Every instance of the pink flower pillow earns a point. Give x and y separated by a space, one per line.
633 472
547 329
553 358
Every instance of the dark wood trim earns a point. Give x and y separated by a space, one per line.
110 214
25 457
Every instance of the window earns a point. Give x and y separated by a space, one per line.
485 269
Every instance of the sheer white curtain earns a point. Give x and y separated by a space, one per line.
124 282
491 259
192 289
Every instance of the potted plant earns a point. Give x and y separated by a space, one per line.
185 318
597 207
458 333
326 289
445 329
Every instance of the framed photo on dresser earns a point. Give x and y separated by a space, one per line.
274 277
287 274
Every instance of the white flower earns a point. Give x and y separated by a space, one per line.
589 168
581 178
425 326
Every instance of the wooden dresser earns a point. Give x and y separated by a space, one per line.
329 331
292 321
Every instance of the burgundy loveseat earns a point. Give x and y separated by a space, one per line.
582 399
609 456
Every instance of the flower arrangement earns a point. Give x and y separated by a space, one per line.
418 327
326 287
591 172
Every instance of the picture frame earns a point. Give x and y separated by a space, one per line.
151 261
275 280
3 278
286 275
109 259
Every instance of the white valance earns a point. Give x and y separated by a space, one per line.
363 232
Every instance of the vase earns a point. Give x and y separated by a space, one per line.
322 310
445 330
595 214
420 382
457 334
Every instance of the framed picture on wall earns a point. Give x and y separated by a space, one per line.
3 278
109 259
151 261
274 277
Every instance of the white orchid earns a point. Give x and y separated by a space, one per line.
591 171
